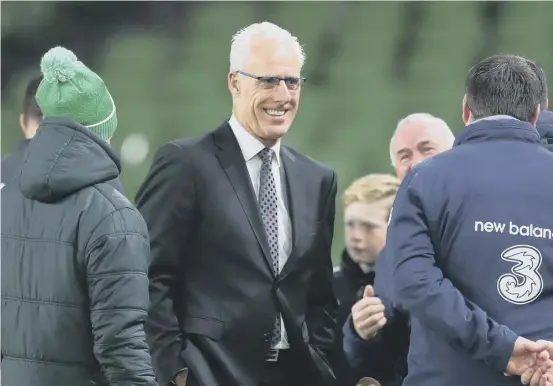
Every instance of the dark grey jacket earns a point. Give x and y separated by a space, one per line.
74 267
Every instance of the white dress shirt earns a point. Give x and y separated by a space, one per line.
250 147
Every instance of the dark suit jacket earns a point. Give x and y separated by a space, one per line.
213 295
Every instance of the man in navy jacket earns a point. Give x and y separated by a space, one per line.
470 240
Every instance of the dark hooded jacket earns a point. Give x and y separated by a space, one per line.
11 163
74 267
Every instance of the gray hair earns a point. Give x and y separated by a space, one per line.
242 42
425 119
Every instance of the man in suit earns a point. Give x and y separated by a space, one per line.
241 230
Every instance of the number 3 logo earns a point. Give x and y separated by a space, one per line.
525 283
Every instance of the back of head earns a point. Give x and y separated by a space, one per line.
71 90
71 151
540 73
503 85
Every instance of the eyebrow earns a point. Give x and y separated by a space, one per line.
423 143
370 222
403 151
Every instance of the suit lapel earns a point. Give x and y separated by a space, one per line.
233 163
297 204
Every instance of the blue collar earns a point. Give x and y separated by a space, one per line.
496 130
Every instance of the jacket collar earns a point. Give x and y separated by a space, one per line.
498 128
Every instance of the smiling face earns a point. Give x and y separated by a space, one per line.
265 110
414 143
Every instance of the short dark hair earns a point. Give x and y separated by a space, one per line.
30 107
503 85
540 73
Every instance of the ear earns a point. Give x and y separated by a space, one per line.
534 119
22 123
466 114
233 84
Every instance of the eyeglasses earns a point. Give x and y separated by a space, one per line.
291 82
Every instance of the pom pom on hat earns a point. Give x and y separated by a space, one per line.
70 89
59 65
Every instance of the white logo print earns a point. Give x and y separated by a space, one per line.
525 283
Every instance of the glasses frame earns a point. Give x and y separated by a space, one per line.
271 80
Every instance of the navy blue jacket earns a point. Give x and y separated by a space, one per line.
471 251
545 128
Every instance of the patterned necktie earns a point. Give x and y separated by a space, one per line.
269 209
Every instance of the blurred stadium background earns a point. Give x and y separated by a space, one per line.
368 65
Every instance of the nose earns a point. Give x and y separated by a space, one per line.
417 159
356 233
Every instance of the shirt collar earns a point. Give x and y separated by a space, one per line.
249 145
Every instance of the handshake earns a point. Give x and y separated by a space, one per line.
533 361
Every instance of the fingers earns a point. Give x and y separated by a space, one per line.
547 378
368 311
364 303
368 317
536 378
536 347
539 375
543 356
532 376
549 346
369 292
372 325
373 320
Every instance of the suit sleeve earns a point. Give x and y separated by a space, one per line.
166 201
422 289
322 306
116 271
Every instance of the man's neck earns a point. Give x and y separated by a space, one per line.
246 127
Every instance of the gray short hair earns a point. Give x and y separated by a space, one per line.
242 41
426 119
